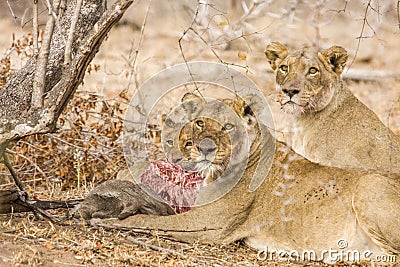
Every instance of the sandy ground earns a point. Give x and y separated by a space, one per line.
220 26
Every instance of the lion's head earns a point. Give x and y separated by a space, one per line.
306 79
206 141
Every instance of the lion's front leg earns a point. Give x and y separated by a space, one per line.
376 203
212 222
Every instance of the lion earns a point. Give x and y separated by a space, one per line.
210 155
331 126
299 206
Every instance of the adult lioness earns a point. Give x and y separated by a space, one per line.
331 126
299 206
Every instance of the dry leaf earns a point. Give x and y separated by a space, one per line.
242 55
49 245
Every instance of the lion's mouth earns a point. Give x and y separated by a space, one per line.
203 164
292 108
290 102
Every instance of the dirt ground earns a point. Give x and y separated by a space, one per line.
134 51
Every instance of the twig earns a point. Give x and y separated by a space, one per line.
360 37
136 53
343 9
156 248
193 30
14 175
24 182
317 15
181 48
205 260
35 27
11 202
31 162
23 195
71 33
11 11
40 72
249 11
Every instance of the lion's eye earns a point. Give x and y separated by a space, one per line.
284 68
228 126
313 71
200 123
188 144
170 142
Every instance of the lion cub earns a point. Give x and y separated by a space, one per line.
332 126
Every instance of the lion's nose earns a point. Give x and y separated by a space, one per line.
291 92
207 146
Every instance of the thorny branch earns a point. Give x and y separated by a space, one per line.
192 29
361 35
133 65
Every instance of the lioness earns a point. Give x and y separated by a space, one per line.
299 206
331 126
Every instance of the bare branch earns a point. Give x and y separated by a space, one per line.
14 175
156 248
31 162
361 36
10 201
136 53
43 57
35 27
11 11
343 9
71 34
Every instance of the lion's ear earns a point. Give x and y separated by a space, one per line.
275 53
336 57
192 104
244 111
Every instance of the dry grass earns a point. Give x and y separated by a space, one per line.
35 242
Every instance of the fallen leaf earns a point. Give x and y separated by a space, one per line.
242 55
49 245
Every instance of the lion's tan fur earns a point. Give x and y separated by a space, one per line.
331 126
299 206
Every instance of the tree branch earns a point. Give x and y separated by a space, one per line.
43 57
17 118
35 27
68 48
10 168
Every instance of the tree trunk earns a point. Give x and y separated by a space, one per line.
17 117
